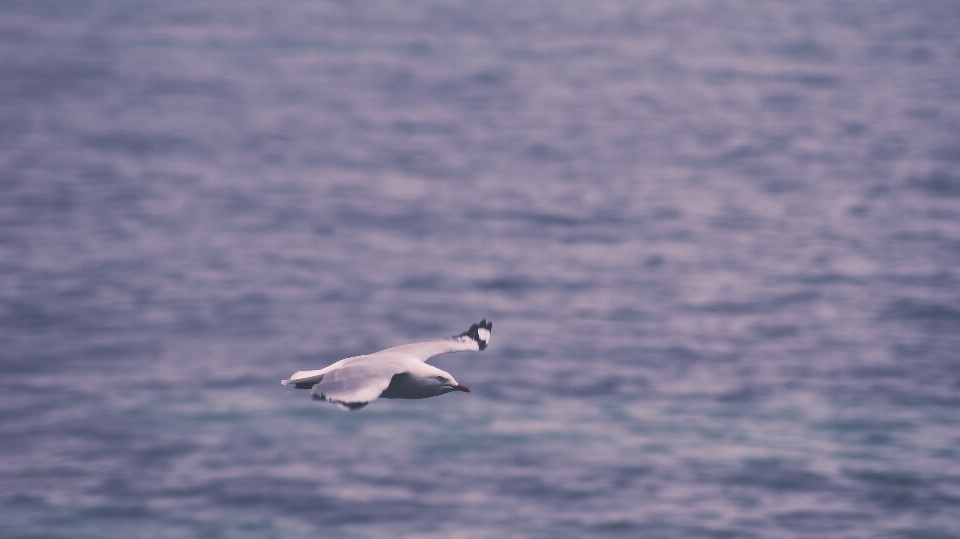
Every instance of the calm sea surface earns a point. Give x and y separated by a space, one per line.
719 241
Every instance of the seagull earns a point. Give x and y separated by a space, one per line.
400 372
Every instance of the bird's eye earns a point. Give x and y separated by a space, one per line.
441 379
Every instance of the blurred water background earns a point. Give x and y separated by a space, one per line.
719 241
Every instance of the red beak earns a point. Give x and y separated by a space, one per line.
461 387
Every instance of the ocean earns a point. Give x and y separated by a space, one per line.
719 242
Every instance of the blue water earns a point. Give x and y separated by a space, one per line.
719 241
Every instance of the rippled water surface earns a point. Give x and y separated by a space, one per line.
719 241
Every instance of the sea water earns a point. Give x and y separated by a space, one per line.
719 242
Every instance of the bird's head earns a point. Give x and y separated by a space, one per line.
422 381
438 381
445 384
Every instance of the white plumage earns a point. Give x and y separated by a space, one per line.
400 372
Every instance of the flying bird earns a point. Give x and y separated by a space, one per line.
400 372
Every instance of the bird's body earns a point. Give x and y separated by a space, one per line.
400 372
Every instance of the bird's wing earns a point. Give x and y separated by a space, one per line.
476 338
355 386
306 379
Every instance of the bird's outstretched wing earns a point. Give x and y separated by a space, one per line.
476 338
355 386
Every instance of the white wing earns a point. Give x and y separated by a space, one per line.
305 379
474 339
420 351
423 351
354 386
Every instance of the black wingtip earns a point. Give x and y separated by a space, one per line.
474 333
354 406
